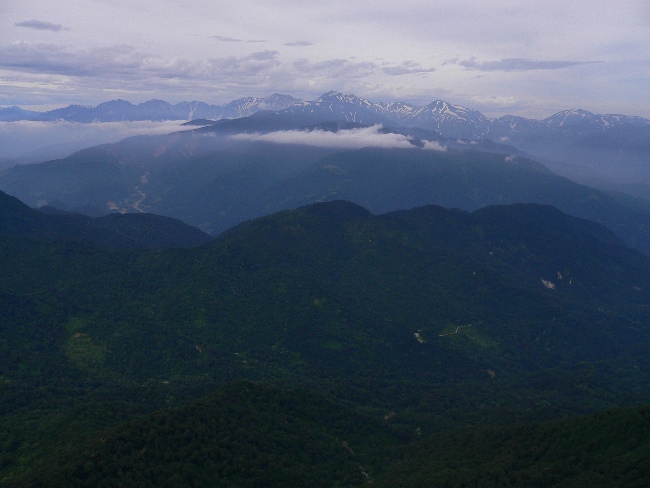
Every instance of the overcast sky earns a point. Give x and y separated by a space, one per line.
499 56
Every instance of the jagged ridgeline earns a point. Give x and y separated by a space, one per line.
432 318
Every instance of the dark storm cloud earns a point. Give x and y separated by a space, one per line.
39 25
517 64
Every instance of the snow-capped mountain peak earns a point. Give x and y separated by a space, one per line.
567 117
342 98
249 105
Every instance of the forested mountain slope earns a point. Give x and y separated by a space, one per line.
433 317
114 230
213 181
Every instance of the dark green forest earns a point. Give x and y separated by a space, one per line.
253 436
324 346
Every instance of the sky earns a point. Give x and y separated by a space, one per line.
499 57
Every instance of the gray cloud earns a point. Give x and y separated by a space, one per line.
336 68
517 64
232 39
39 25
263 55
226 39
124 68
346 69
50 58
406 68
299 44
125 62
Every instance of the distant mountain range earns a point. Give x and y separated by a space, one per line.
447 119
456 121
600 150
153 110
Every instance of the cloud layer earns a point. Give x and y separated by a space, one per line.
518 64
39 25
232 39
121 60
343 139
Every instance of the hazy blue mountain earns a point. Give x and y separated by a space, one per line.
455 121
154 110
213 181
449 120
613 148
616 147
446 119
115 230
12 114
384 180
610 151
249 105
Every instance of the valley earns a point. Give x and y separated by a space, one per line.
324 244
320 301
313 296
